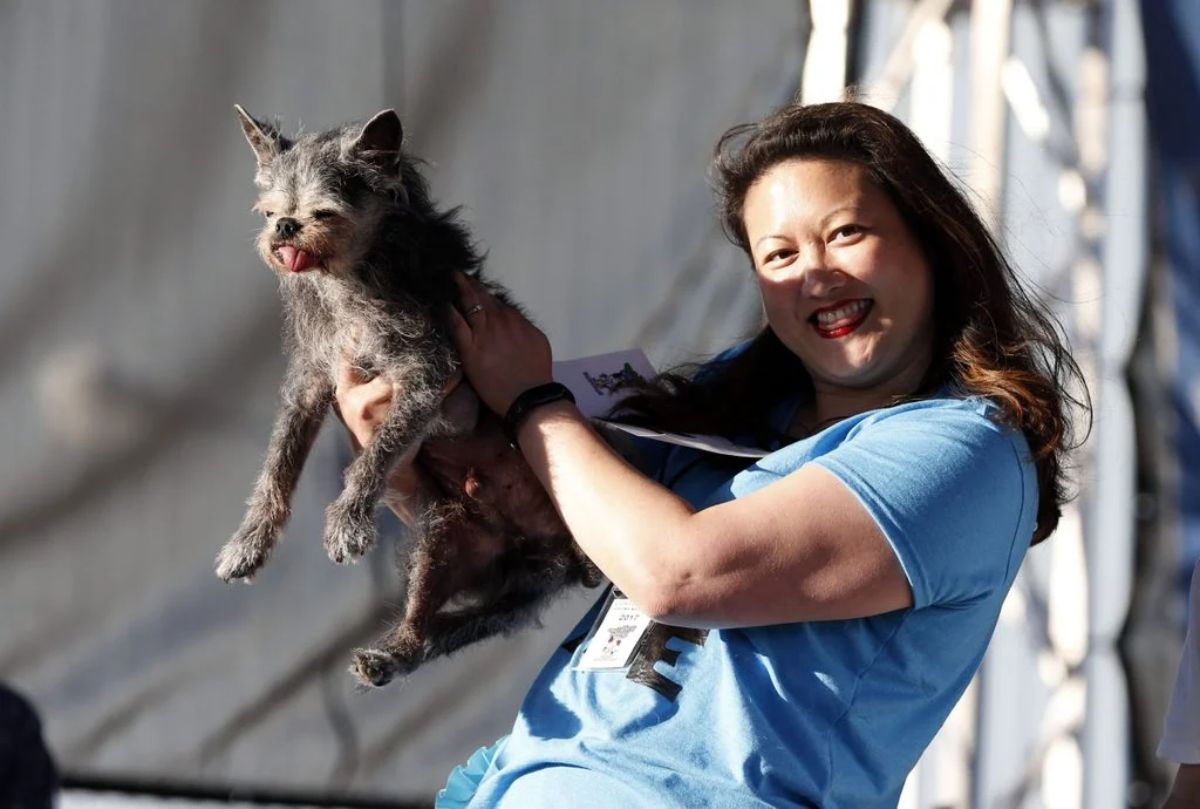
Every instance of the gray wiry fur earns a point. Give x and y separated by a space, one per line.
365 264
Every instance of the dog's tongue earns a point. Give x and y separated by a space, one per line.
296 260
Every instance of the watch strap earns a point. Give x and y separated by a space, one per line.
530 399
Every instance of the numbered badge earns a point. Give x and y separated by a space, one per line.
614 637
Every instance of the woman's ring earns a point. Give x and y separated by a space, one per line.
476 309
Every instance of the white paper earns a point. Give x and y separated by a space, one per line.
600 381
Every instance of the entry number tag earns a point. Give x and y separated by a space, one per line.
615 636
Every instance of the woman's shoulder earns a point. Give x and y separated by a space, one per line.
968 417
959 445
951 485
944 403
968 431
955 434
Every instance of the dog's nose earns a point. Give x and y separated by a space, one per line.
287 227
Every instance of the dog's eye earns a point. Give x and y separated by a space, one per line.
268 214
323 214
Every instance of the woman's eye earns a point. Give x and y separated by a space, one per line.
775 255
846 232
323 214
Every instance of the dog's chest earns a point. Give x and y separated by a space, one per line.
332 321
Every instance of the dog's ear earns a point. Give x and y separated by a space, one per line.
380 139
263 138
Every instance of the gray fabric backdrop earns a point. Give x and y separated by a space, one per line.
141 354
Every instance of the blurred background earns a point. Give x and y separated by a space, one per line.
141 353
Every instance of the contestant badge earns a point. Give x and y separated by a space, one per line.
614 637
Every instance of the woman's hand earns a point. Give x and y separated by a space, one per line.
363 405
503 354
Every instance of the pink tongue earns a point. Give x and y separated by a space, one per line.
296 260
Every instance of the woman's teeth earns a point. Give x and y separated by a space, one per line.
831 317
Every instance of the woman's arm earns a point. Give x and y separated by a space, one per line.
802 548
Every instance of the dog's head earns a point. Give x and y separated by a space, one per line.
323 195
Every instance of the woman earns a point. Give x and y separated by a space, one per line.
817 614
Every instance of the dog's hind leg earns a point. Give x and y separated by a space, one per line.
452 630
435 572
444 634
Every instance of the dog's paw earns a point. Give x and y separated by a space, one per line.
348 533
246 552
376 668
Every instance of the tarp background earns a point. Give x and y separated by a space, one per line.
141 357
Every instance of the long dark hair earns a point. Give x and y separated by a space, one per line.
991 337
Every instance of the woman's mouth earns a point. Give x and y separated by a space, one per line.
842 318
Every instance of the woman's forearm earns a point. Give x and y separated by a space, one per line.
631 527
636 544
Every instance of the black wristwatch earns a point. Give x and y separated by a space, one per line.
529 399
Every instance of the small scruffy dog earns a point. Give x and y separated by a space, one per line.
365 264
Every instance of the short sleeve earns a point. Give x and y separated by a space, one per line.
953 491
1181 733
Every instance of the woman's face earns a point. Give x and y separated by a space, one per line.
845 284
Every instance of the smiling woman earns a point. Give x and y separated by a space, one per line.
845 285
775 634
988 336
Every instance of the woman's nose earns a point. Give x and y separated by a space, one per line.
822 280
817 274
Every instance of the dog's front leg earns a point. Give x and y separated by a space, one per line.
307 395
350 520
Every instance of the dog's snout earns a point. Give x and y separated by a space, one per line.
286 227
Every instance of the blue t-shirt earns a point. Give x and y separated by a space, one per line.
826 713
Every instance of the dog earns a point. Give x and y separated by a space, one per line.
365 263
